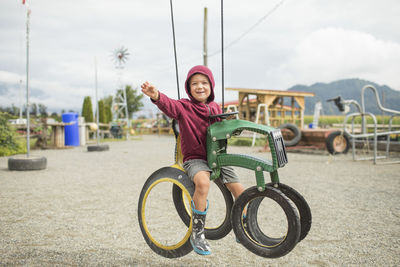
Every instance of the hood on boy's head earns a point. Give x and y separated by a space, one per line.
205 71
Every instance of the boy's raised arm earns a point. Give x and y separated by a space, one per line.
172 108
150 90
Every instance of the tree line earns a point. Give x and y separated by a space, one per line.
88 110
134 104
34 110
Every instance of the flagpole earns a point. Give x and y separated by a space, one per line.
28 130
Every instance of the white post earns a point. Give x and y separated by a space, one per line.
28 131
97 102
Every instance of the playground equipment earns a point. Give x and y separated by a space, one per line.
290 127
366 135
28 163
252 236
97 147
274 241
119 106
282 106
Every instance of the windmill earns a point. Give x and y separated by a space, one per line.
120 103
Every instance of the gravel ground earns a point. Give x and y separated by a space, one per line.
82 210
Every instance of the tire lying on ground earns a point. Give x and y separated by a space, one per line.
98 148
295 131
337 143
23 163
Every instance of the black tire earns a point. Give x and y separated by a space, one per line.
296 132
176 177
265 250
302 208
213 233
98 148
337 143
23 163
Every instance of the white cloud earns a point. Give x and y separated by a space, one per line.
302 42
334 53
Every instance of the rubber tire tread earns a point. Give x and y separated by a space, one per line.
295 130
293 233
173 173
302 207
98 148
27 164
210 233
329 142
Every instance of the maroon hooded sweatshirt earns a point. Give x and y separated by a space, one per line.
193 116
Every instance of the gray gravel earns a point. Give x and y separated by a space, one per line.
82 210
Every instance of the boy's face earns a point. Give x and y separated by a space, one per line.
200 87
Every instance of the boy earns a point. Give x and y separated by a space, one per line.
193 116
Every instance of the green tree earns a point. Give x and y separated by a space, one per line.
15 110
34 109
107 108
102 118
43 110
133 99
87 110
107 113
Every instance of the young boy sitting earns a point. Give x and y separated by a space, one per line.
193 116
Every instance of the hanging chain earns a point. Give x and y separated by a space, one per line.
176 60
222 54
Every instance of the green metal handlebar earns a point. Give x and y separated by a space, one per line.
219 132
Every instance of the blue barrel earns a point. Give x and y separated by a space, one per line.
71 131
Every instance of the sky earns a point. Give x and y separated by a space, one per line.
272 44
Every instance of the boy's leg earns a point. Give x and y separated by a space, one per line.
200 208
235 188
202 186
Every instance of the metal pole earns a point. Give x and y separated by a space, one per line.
222 54
205 50
28 131
20 101
97 102
128 123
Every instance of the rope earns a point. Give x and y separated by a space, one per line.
176 60
222 54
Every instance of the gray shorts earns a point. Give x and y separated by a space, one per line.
193 166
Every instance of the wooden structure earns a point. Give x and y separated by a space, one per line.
283 106
56 137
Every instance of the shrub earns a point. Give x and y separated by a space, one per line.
8 141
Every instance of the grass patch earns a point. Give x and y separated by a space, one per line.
246 141
333 119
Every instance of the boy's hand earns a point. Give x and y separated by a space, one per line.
150 90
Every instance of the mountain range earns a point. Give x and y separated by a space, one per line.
348 89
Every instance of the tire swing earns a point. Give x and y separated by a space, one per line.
299 202
97 147
28 163
286 210
212 231
294 130
216 230
337 142
180 246
19 162
182 192
267 247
